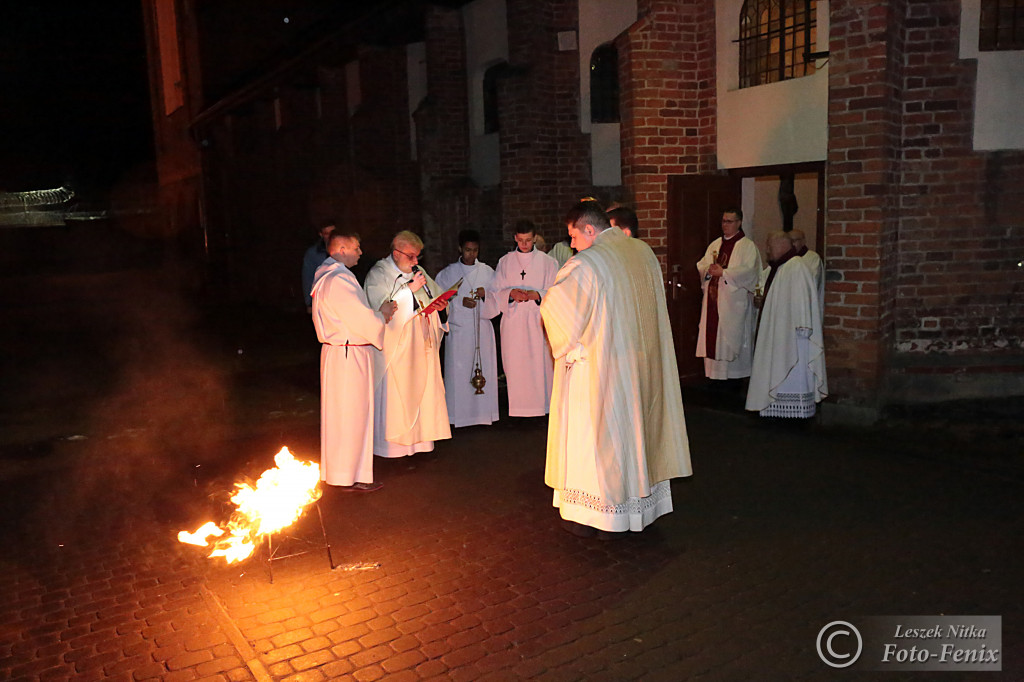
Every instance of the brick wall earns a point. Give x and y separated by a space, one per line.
959 288
923 234
450 202
268 187
545 159
668 105
862 185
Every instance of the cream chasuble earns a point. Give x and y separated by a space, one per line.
816 266
737 317
525 354
411 411
466 407
352 334
616 433
788 378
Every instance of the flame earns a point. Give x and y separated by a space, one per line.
279 498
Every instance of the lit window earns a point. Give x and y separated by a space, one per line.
604 85
777 38
1002 25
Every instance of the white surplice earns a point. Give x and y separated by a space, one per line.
525 354
788 377
616 433
352 333
466 407
410 404
737 317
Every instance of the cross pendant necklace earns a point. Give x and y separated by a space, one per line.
523 274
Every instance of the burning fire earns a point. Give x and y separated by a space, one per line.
281 495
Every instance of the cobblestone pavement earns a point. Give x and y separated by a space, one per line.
457 568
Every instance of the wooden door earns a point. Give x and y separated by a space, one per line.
695 205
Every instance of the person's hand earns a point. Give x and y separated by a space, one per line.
716 270
418 280
480 293
468 302
532 295
388 309
442 305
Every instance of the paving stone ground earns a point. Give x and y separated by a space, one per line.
457 568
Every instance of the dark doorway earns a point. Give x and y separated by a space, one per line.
695 205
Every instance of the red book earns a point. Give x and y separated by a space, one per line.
438 301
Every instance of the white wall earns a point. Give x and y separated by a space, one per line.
999 94
777 123
486 28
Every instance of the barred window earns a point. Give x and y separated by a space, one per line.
1001 26
777 38
604 85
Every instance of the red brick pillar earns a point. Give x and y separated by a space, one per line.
442 129
862 187
545 158
667 81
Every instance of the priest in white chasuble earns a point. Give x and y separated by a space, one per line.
520 282
352 333
616 433
411 412
470 340
730 271
788 378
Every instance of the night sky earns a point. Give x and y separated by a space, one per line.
75 96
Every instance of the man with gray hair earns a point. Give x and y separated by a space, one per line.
411 412
788 376
814 264
616 432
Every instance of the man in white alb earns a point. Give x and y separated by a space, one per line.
470 339
730 271
520 281
616 433
411 412
351 334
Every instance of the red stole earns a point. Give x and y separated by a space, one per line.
711 319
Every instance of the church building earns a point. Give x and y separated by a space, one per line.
891 132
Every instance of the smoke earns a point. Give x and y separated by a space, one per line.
139 393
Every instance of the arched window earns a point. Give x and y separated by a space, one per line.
1001 26
604 85
491 123
777 38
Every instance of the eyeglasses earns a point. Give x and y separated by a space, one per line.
410 256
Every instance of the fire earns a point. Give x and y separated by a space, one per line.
279 498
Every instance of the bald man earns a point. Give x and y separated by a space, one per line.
788 375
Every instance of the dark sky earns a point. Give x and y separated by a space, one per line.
75 94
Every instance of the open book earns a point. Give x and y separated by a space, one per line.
438 301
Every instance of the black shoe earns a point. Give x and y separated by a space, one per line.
363 487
